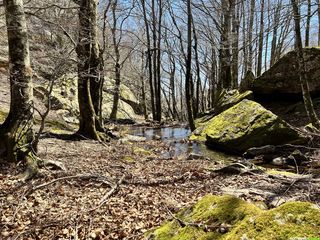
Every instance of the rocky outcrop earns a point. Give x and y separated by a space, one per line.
244 126
64 100
281 81
126 95
227 217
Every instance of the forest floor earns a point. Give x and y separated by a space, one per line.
119 190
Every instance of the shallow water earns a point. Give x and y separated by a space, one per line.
177 139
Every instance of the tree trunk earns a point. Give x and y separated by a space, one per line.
302 68
318 2
250 32
225 55
149 58
172 88
117 68
188 68
196 103
260 48
235 43
88 67
16 133
158 69
276 21
307 37
143 88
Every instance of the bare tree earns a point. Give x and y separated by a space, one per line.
188 68
88 67
16 133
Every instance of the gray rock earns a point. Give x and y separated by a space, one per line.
282 79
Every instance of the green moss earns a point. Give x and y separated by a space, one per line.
218 210
129 159
246 221
293 219
245 125
283 173
3 116
172 230
141 151
230 98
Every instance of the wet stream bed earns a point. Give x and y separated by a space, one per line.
179 146
176 137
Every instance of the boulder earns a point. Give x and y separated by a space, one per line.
230 98
228 217
282 81
126 95
225 100
246 125
64 96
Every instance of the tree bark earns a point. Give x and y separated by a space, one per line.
188 68
88 67
225 54
117 68
149 57
307 37
16 133
250 33
235 43
260 48
318 2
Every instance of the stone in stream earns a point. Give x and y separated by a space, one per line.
133 138
195 156
246 125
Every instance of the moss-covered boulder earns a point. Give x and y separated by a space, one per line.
246 125
230 98
282 81
229 218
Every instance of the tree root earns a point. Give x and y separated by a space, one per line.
34 163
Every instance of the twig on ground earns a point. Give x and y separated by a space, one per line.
82 177
109 193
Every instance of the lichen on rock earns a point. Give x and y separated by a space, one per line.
3 116
246 125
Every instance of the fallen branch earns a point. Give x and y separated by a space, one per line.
98 178
109 193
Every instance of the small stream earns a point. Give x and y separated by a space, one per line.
177 138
